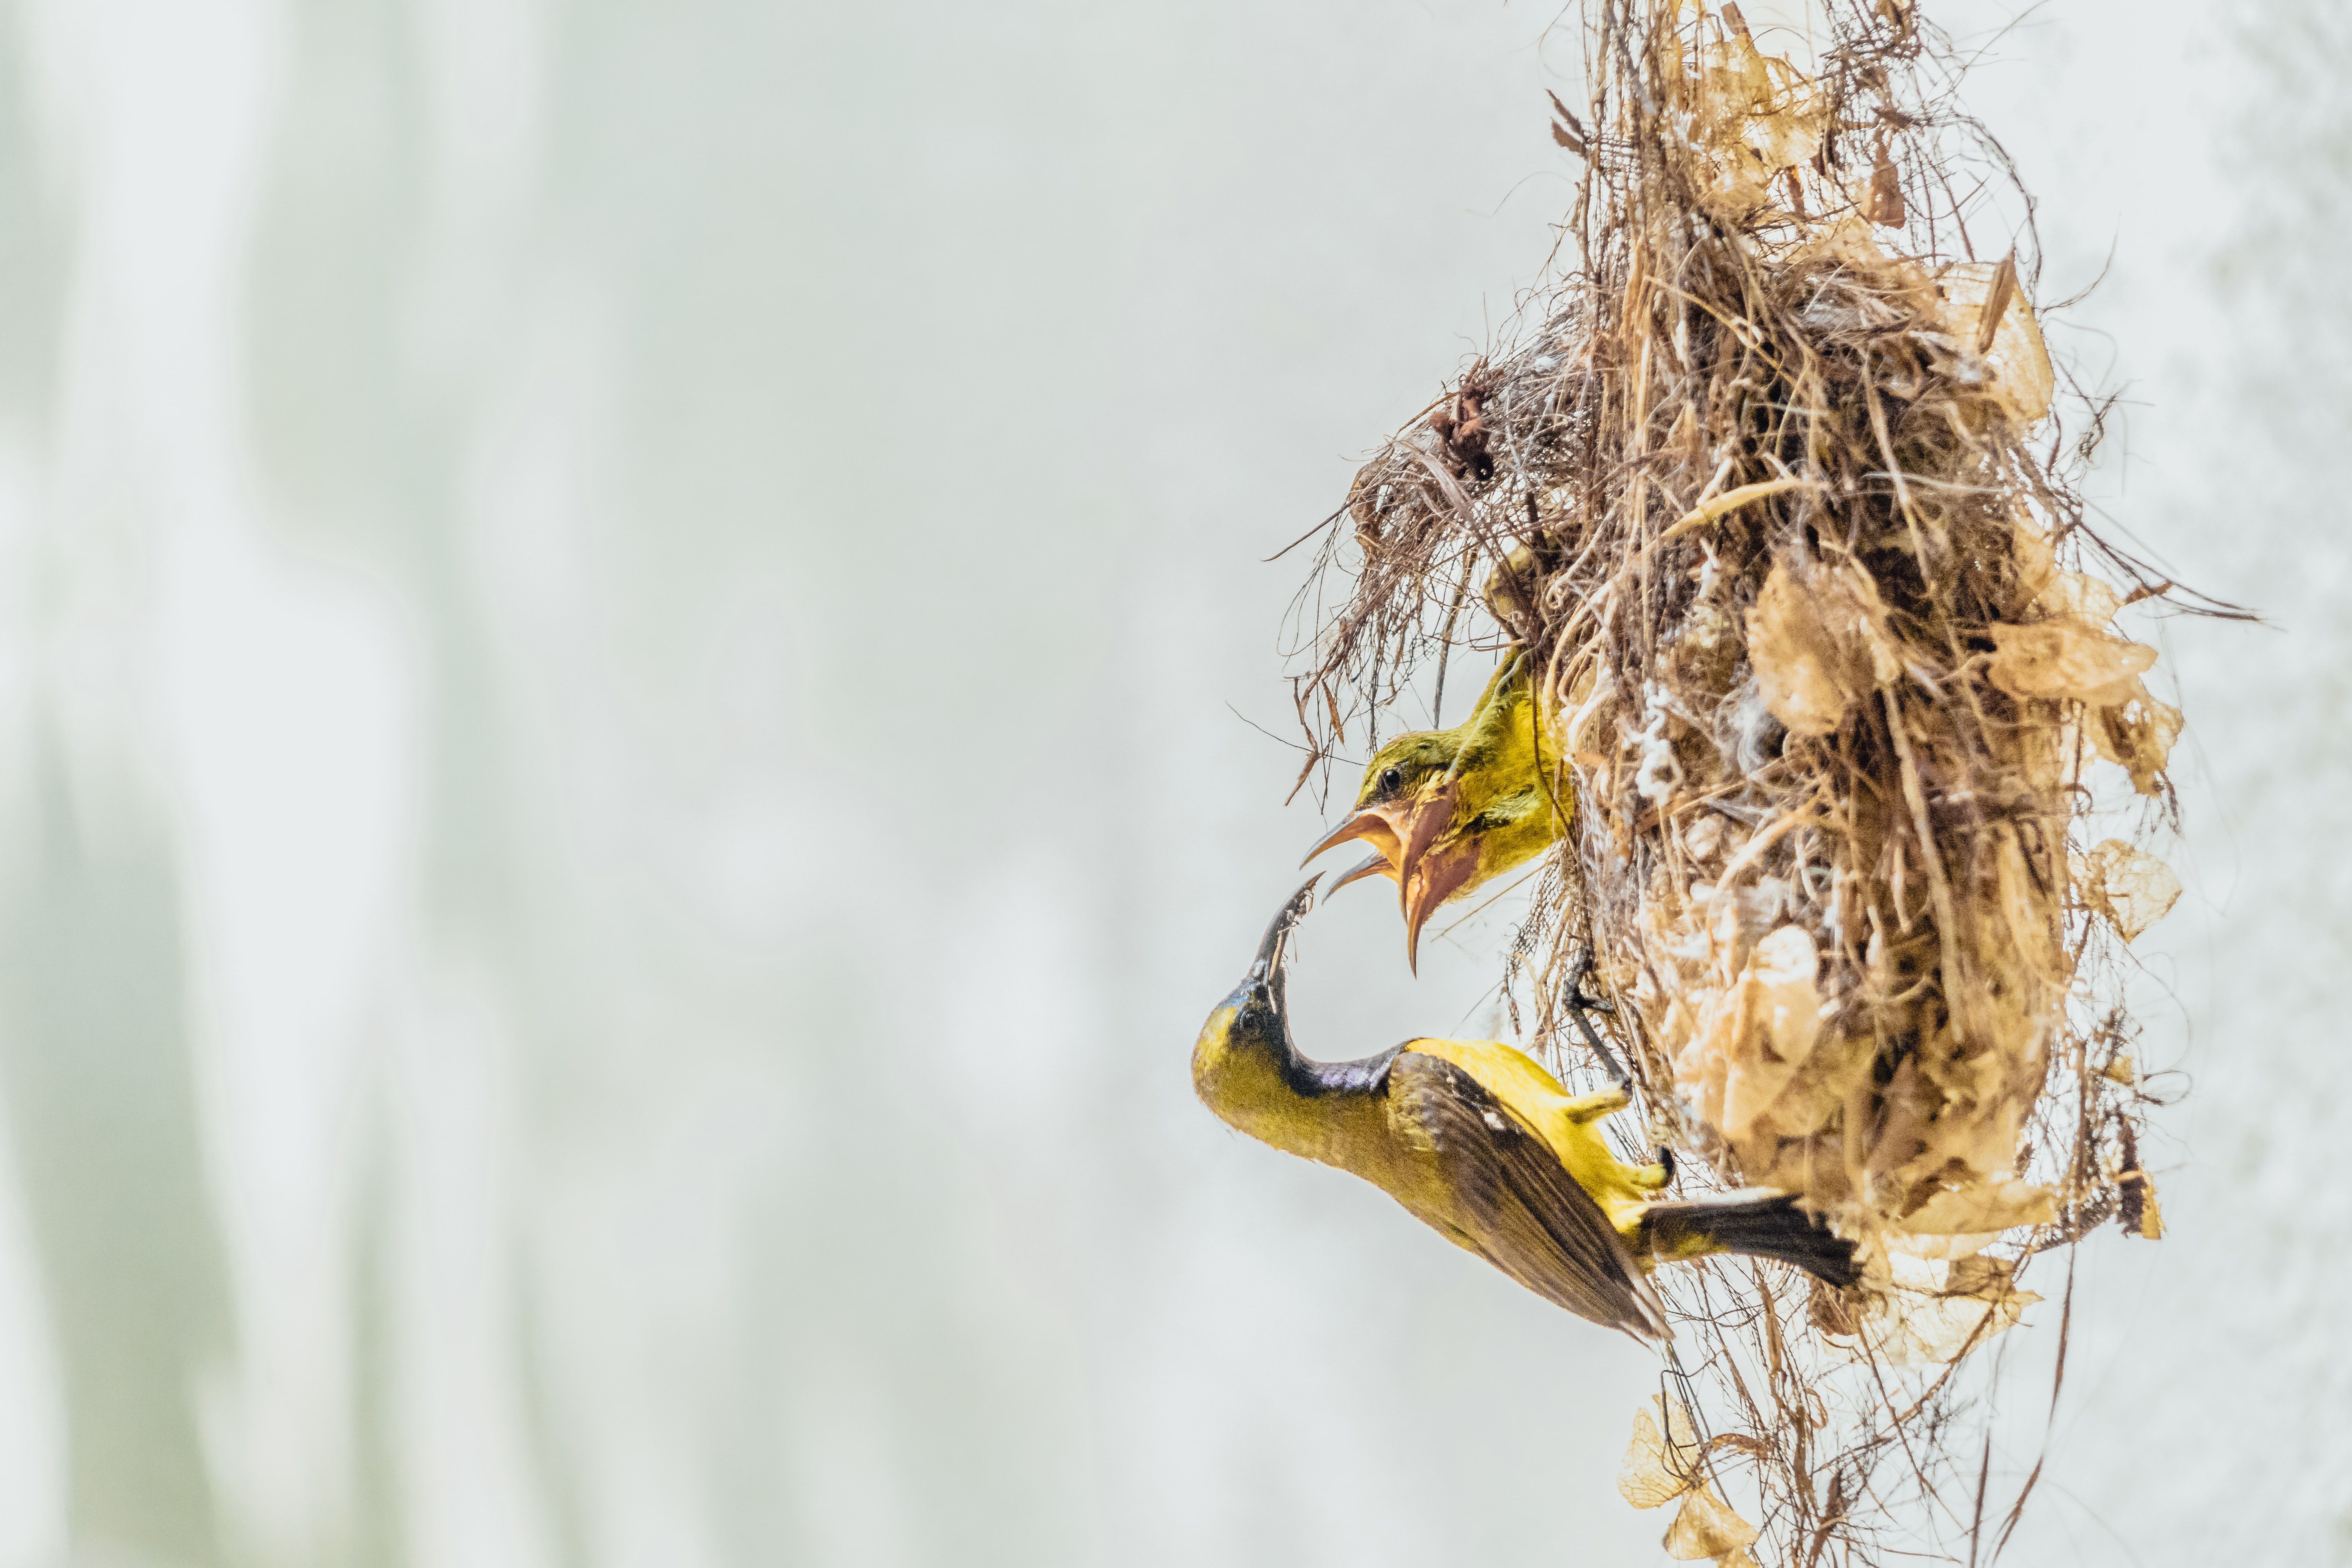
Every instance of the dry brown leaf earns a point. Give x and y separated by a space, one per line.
2132 888
2015 366
1775 1018
1962 1222
1742 1044
1983 1205
2083 598
2064 659
1966 1244
1758 117
1936 1310
1795 667
1817 648
2136 732
1706 1527
1651 1476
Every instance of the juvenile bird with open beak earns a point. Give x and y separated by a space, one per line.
1447 811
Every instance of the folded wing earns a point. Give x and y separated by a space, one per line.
1524 1211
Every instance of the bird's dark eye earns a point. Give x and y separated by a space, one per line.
1392 780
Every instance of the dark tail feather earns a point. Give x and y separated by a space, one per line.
1770 1227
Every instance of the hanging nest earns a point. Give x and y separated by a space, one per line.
1772 488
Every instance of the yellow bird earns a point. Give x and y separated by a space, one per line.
1449 810
1482 1145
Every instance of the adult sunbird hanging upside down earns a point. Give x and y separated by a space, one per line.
1449 810
1477 1141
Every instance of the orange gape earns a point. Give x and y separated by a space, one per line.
1447 810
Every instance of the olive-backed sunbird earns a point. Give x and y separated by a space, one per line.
1478 1142
1449 810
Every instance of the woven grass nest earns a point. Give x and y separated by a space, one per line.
1773 484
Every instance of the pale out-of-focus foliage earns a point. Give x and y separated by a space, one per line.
606 887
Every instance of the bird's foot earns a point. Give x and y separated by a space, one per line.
1578 1004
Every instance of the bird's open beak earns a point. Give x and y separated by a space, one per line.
1424 818
1376 825
1438 872
1399 833
1402 834
1370 866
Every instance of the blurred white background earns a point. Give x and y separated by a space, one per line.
628 639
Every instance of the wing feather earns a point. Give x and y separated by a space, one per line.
1525 1212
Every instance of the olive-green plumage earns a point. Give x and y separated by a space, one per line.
1481 1144
1450 810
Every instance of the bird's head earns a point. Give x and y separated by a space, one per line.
1403 805
1255 1021
1431 801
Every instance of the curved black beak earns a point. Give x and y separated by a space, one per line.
1257 1008
1272 960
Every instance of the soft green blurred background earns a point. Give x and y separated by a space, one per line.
628 640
